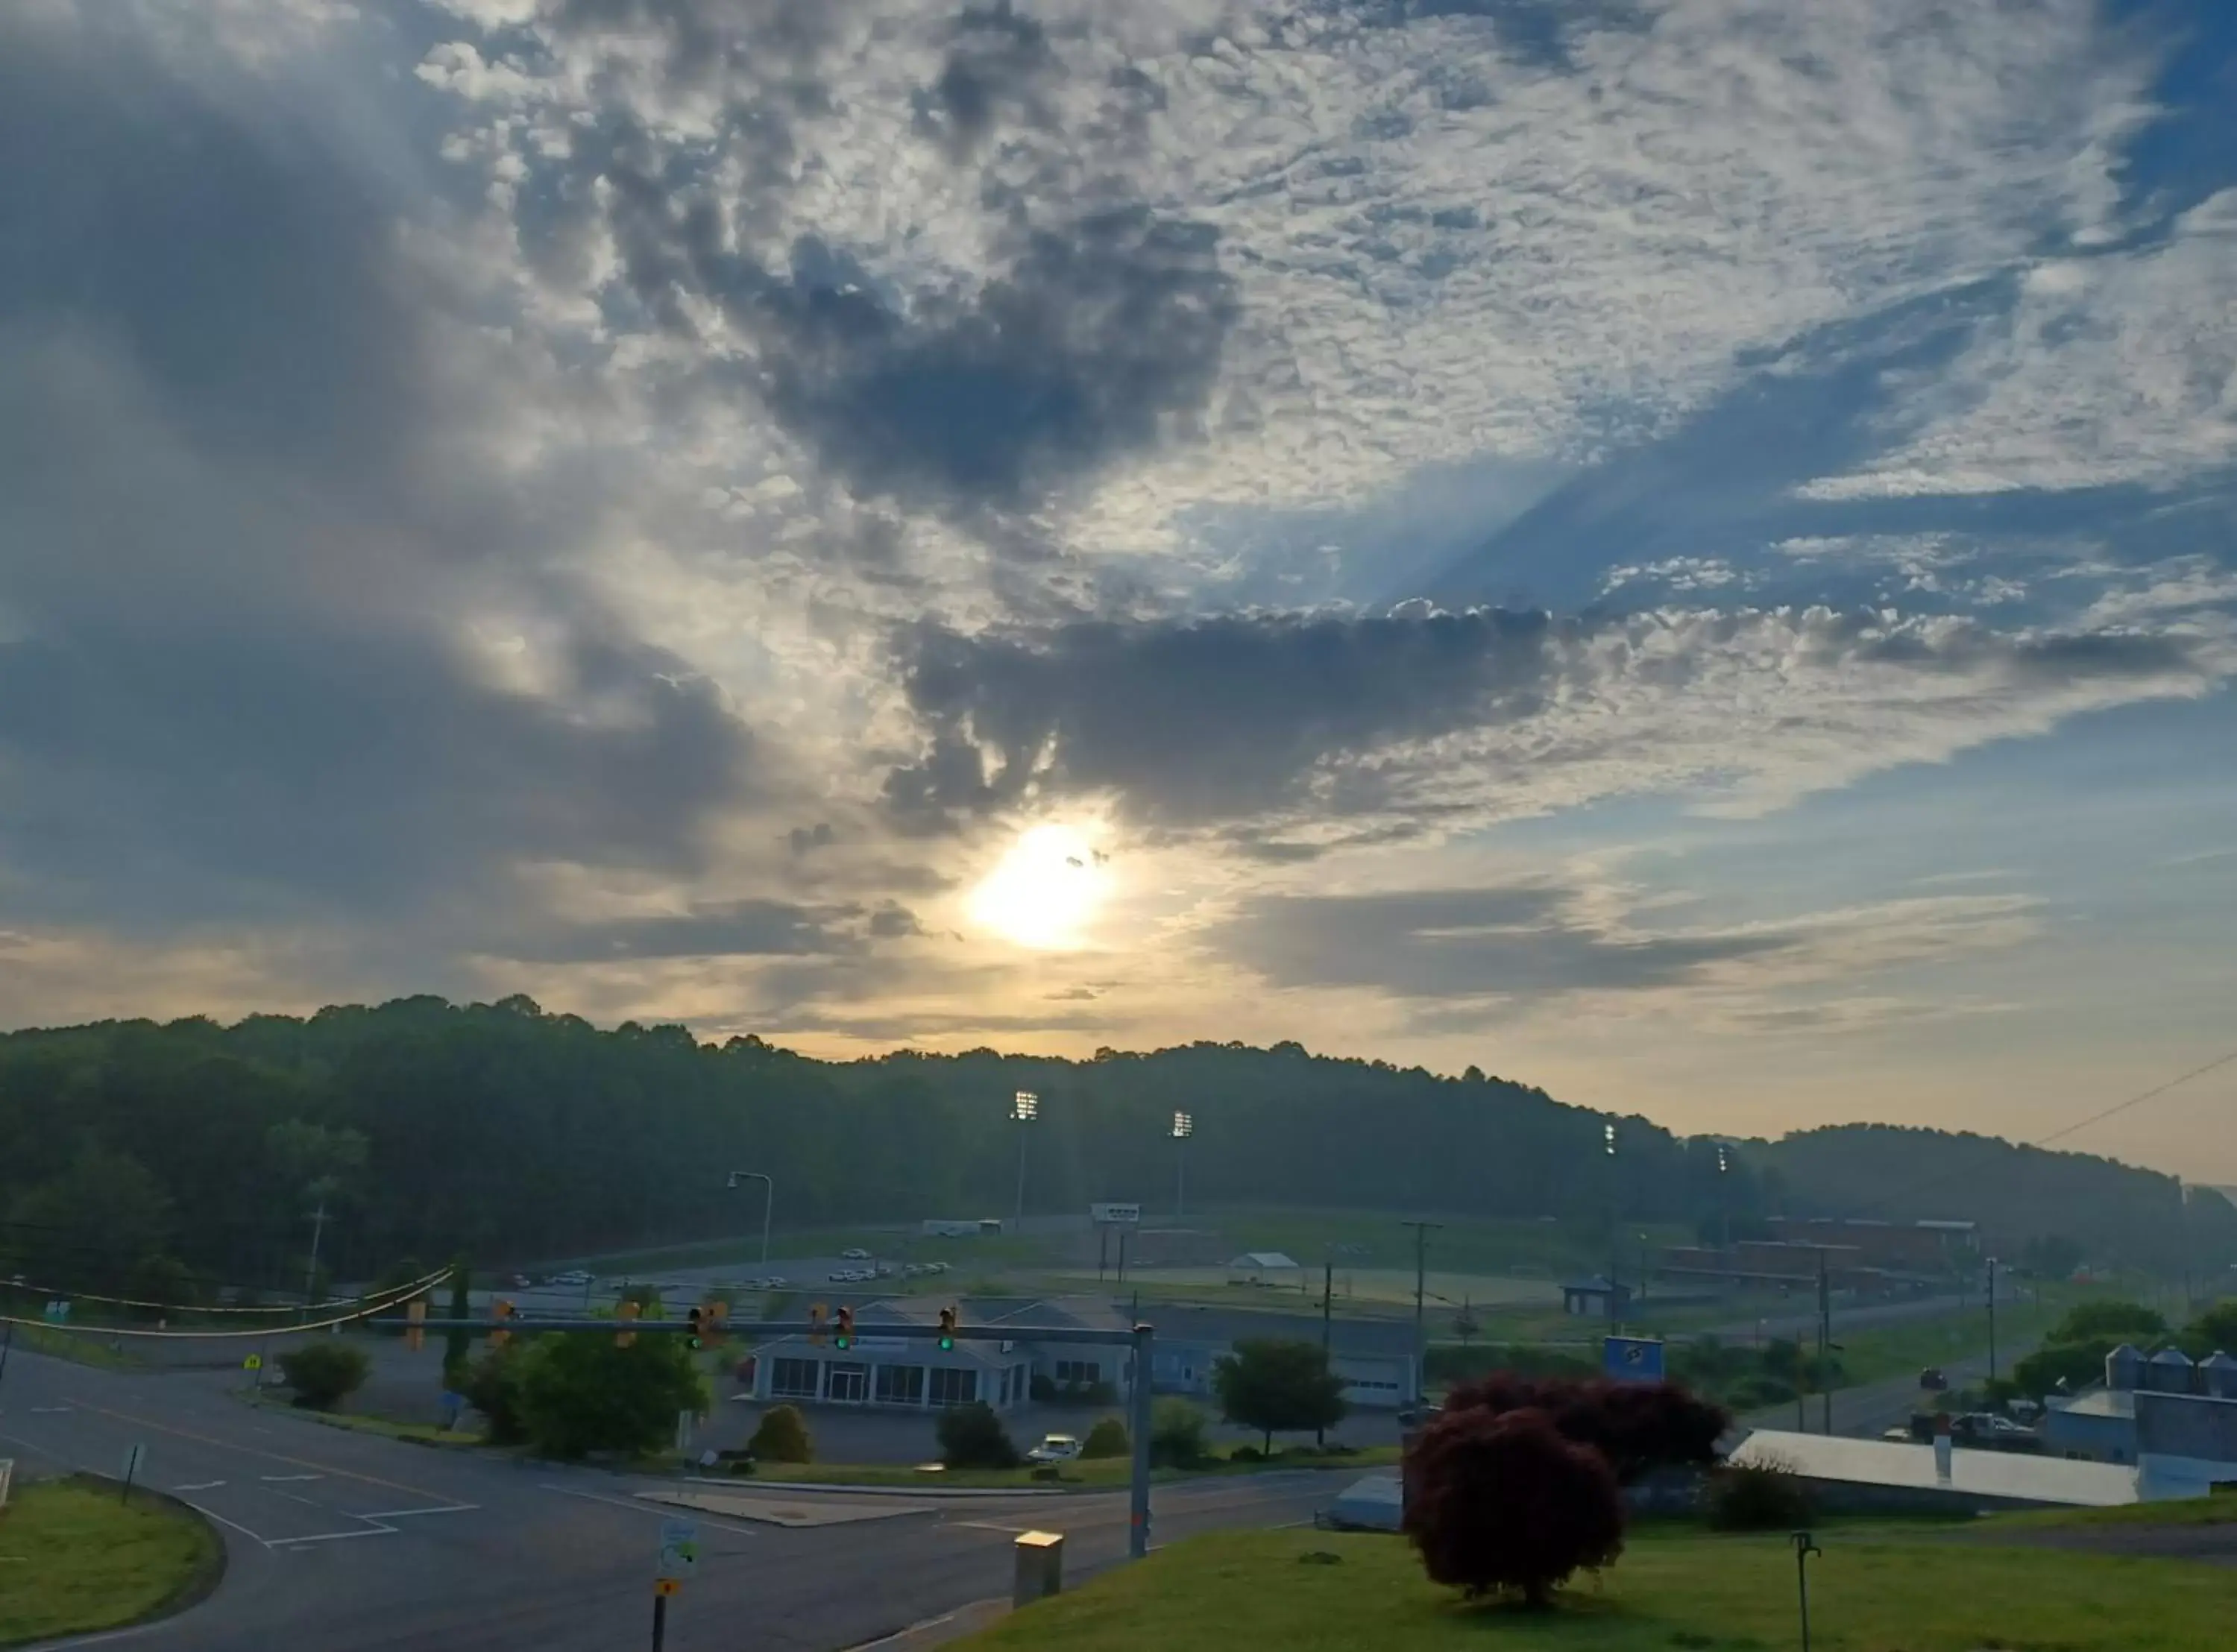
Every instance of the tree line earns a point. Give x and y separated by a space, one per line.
423 1128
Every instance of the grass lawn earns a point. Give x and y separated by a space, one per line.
2183 1511
73 1558
1874 1589
388 1427
87 1347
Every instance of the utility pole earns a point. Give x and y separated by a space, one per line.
1992 1318
1328 1298
1422 1230
1825 1337
311 1273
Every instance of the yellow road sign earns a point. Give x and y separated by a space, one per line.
665 1586
254 1362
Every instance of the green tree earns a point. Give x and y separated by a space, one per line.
162 1281
324 1371
2108 1321
86 1228
1278 1386
580 1393
492 1385
1107 1439
2214 1328
2063 1367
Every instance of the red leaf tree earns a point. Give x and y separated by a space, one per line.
1499 1499
1637 1426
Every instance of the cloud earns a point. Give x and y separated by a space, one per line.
1497 714
1463 943
288 629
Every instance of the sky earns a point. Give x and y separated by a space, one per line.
1681 551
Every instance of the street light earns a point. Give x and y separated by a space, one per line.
1183 1127
1724 1198
769 1205
1615 1217
1024 1108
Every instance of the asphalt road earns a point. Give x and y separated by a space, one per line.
350 1543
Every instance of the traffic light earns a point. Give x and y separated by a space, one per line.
846 1337
816 1315
947 1330
500 1311
416 1313
626 1311
698 1317
718 1314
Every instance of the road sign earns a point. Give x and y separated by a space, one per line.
1631 1358
679 1550
664 1586
254 1362
133 1459
1116 1215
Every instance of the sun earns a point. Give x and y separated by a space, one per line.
1045 890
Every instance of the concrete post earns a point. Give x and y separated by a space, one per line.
1041 1567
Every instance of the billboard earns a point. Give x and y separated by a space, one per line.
1631 1358
1115 1216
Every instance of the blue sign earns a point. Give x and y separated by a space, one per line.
1631 1358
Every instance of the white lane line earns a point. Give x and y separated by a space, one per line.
406 1514
987 1525
52 1410
199 1486
274 1479
659 1511
234 1525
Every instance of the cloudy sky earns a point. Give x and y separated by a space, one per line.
1680 550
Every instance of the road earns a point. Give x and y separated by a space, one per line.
351 1542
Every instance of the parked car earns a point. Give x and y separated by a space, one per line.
1055 1448
853 1256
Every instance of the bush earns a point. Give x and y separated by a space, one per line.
972 1437
1764 1496
580 1393
2107 1322
1176 1435
1636 1426
491 1386
1107 1438
1501 1500
1246 1454
782 1437
324 1372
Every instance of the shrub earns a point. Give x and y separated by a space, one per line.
324 1371
1246 1454
1767 1495
972 1437
2108 1322
1501 1500
782 1437
1176 1435
1107 1438
580 1393
491 1386
1636 1426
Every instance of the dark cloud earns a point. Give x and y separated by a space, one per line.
998 61
1449 944
734 929
245 501
1202 720
806 839
1198 721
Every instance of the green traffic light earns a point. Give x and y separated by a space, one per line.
947 1345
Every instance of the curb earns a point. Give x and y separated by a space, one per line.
749 1482
200 1584
935 1631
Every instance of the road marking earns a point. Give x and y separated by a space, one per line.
985 1525
50 1410
274 1478
253 1451
199 1486
653 1509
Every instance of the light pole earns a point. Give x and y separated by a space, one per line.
1724 1199
1422 1230
1992 1318
1024 1108
1615 1219
769 1203
1183 1127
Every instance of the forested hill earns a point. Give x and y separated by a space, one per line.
427 1128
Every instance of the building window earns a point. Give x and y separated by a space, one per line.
901 1384
846 1383
1079 1371
953 1387
793 1378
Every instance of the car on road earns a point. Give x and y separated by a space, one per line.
1055 1448
853 1256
